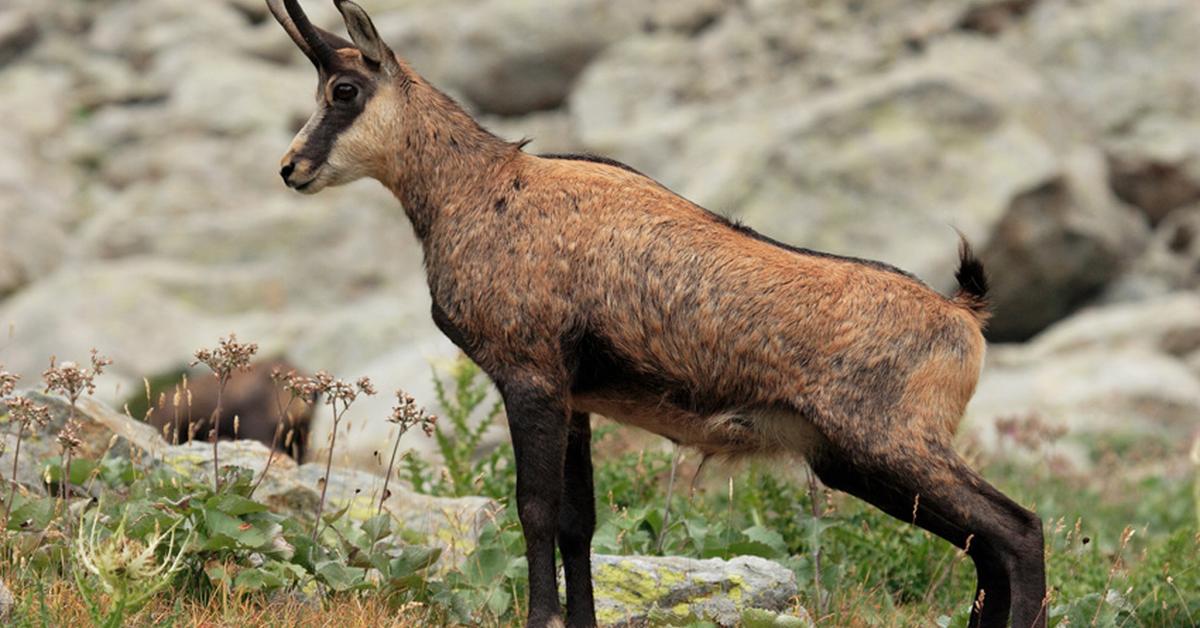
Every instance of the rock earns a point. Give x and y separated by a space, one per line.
945 149
1141 104
125 309
139 30
669 590
1157 167
18 32
730 58
509 58
7 601
1117 63
97 426
295 491
512 58
452 523
37 101
1056 248
30 245
1158 325
34 451
1171 262
993 17
1129 371
211 92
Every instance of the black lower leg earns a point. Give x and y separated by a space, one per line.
992 601
538 422
960 507
577 522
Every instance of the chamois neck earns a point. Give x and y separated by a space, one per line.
445 158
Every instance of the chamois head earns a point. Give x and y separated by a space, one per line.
358 97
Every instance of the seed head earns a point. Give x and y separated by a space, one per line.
27 413
70 380
8 381
68 437
406 413
336 390
229 356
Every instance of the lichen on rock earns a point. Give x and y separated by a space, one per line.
672 590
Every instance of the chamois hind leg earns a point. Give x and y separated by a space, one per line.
937 491
577 522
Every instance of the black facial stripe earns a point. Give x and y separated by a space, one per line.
338 116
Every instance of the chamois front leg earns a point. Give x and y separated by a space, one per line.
577 523
537 420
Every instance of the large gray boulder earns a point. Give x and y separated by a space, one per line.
512 58
1056 248
1126 69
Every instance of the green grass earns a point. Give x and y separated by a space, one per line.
1122 539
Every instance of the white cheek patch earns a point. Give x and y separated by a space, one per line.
357 151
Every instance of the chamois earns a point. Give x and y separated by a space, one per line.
583 286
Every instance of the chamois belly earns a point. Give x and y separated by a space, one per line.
692 414
728 432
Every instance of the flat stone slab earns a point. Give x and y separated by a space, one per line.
672 590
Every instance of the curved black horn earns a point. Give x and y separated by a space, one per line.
322 52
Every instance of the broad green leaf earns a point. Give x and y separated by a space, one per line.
244 533
411 560
234 505
339 577
377 527
769 538
257 580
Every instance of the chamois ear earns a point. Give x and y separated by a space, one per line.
315 42
362 32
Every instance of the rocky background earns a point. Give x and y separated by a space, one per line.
141 212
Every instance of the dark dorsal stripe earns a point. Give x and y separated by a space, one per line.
596 159
744 230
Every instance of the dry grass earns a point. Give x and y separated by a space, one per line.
63 606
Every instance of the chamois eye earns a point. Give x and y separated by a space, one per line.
344 92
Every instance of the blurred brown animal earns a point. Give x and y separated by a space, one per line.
581 285
250 395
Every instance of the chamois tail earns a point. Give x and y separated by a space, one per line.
972 283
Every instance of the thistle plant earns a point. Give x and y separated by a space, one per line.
339 396
24 414
405 414
299 388
128 570
71 381
229 357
